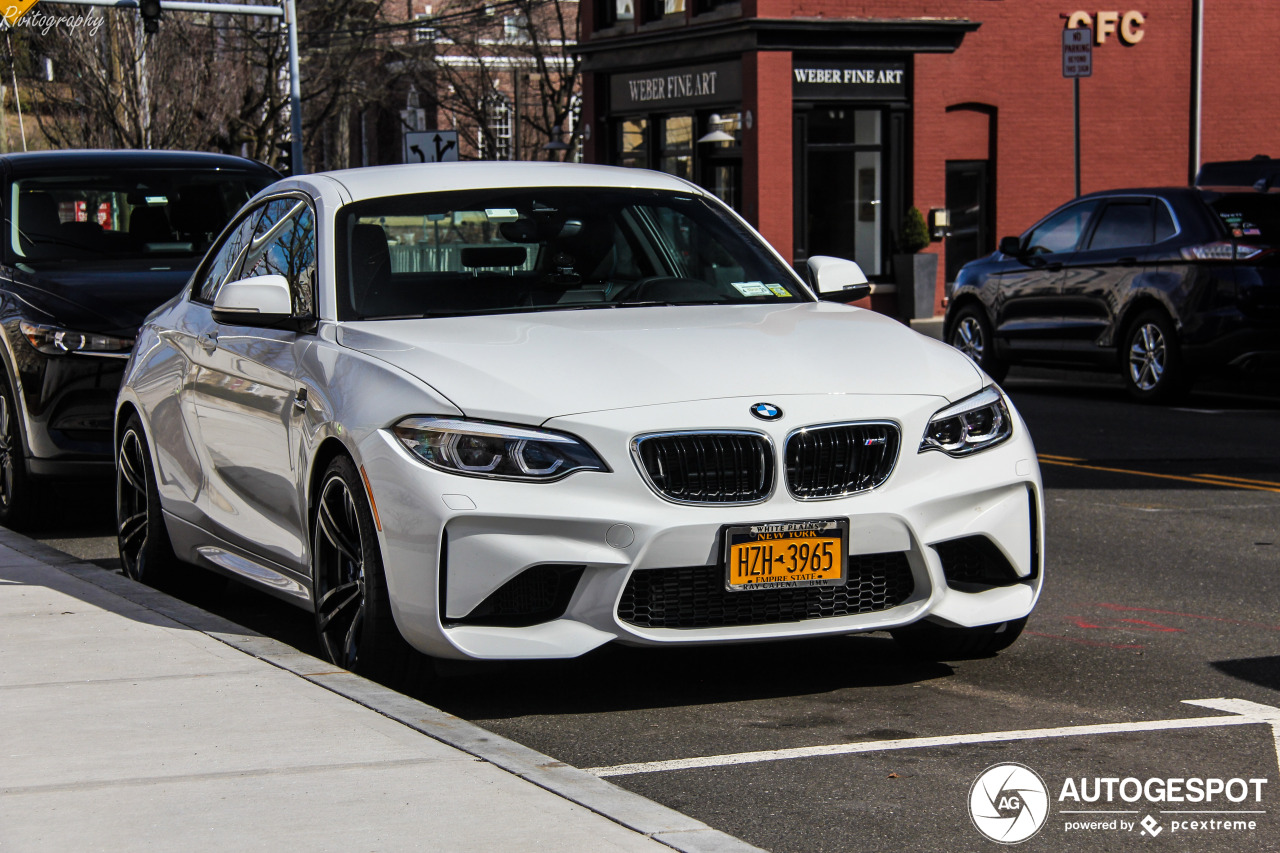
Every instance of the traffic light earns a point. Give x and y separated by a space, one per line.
285 160
150 10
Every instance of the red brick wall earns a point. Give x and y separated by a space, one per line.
1241 80
766 149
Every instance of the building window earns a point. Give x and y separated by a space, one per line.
498 118
676 136
612 12
633 138
515 28
426 32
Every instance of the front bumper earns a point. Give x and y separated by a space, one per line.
67 408
450 543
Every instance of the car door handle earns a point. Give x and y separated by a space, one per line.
208 341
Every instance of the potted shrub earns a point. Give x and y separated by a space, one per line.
915 272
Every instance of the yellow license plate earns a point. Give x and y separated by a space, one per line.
786 554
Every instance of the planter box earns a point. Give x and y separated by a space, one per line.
917 279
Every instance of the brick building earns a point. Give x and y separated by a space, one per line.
823 121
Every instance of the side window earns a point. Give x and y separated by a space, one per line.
1124 224
1060 232
284 243
1165 226
227 259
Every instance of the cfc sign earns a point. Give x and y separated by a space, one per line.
1126 26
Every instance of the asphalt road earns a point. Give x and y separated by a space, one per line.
1162 584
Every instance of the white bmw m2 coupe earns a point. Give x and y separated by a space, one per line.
519 410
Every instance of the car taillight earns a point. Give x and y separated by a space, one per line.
1224 250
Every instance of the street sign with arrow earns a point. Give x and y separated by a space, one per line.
431 146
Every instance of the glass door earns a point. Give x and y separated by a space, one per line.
842 186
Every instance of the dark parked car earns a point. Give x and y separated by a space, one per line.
1260 172
94 241
1156 283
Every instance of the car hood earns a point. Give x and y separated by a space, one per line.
112 298
526 367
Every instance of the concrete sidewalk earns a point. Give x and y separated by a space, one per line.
134 721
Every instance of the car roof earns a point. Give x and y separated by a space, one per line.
1238 173
42 162
380 181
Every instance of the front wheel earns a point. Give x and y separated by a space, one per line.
17 493
352 606
1150 360
146 554
971 334
934 642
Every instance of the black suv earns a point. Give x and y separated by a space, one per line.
93 242
1153 282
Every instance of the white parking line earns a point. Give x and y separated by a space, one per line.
1242 713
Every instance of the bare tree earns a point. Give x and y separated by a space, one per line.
501 68
211 82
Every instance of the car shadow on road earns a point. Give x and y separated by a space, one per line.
616 678
1264 672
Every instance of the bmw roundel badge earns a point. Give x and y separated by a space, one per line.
766 411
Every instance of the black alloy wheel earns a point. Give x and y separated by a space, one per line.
352 608
928 641
146 554
17 496
1150 360
971 334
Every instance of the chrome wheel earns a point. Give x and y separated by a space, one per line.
969 339
1147 357
339 555
131 503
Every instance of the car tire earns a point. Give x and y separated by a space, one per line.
18 493
971 334
1151 361
934 642
146 554
353 618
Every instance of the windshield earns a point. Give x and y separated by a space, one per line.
496 251
1254 217
124 215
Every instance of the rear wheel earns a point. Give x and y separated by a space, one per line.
1151 361
934 642
971 334
146 554
17 492
352 606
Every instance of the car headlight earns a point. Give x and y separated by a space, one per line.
51 340
498 451
975 423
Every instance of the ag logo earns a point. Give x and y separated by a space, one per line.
766 411
1008 803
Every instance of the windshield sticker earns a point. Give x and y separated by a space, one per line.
779 290
501 214
751 288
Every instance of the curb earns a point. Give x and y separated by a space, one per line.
639 814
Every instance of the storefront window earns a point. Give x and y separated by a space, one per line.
633 135
658 9
677 146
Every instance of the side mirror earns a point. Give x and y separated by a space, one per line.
837 280
262 300
1011 246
